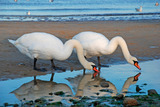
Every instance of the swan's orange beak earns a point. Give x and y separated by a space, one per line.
136 77
95 71
136 65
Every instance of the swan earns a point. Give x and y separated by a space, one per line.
40 45
96 44
139 9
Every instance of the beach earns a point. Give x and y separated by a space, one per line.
142 37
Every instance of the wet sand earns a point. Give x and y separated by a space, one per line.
141 36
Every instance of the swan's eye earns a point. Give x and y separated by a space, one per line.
135 61
136 64
93 66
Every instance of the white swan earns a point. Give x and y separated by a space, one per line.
39 45
96 44
139 9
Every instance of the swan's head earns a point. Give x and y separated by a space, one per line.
134 61
136 77
132 80
96 72
91 66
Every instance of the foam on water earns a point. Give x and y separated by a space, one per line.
81 10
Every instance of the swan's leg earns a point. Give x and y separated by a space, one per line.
99 62
56 68
99 68
52 63
84 70
34 67
35 82
37 69
52 77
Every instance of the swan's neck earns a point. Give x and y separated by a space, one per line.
127 84
82 84
113 44
68 48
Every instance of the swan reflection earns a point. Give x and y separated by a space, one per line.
83 85
93 87
36 89
99 86
128 82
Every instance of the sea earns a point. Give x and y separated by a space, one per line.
78 10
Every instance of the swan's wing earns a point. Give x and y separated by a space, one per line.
92 42
40 45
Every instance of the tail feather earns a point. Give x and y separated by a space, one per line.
12 41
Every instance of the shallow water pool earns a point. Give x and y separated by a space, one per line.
113 80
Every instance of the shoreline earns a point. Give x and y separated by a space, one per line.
82 17
142 37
